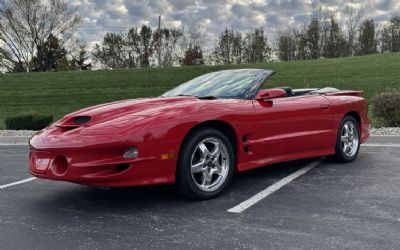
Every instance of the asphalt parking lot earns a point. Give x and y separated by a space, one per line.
338 206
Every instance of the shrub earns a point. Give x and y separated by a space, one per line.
386 108
28 121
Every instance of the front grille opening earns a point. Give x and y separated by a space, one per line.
80 120
122 167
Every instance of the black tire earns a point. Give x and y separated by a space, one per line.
185 181
340 155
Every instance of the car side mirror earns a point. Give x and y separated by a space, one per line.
268 94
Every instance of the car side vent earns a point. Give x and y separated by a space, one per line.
80 120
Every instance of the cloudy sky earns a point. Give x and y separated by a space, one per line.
101 16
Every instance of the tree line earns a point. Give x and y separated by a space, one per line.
323 37
35 35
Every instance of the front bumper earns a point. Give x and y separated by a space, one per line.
99 162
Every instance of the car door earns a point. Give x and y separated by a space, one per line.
291 125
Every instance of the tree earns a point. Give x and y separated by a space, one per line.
113 52
302 52
51 56
229 47
168 47
367 39
146 46
224 49
193 56
140 45
237 48
26 24
286 46
353 18
313 38
335 44
192 40
390 37
79 61
255 48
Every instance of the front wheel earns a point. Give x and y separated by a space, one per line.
347 141
205 164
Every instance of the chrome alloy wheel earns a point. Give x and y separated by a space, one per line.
350 138
210 164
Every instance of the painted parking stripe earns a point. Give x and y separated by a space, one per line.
271 189
17 182
390 145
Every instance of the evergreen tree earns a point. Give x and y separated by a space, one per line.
224 48
255 47
367 38
146 46
313 38
50 56
335 44
79 62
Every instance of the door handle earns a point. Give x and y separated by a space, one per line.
324 106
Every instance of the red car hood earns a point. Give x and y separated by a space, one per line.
109 111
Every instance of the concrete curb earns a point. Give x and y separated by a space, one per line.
17 140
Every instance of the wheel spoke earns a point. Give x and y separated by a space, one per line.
218 168
217 151
344 139
346 130
207 179
345 148
351 129
204 150
198 167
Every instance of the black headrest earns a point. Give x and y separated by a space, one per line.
287 89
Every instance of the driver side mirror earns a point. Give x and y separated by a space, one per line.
267 94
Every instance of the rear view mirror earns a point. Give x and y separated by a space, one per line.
267 94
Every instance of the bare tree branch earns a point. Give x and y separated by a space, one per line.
26 24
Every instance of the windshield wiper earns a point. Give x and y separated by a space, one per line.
208 97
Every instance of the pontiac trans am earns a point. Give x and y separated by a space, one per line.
199 133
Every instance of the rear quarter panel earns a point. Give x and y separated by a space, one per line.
345 105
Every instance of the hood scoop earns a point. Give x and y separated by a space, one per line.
74 122
81 120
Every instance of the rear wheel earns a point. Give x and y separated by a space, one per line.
205 164
348 140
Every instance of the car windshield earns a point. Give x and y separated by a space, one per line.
229 84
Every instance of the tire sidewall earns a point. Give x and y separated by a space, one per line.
184 175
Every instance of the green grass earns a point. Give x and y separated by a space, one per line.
58 93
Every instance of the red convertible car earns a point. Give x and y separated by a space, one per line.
199 133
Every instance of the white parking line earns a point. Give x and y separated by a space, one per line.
271 189
390 145
17 182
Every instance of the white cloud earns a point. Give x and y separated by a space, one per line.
102 16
